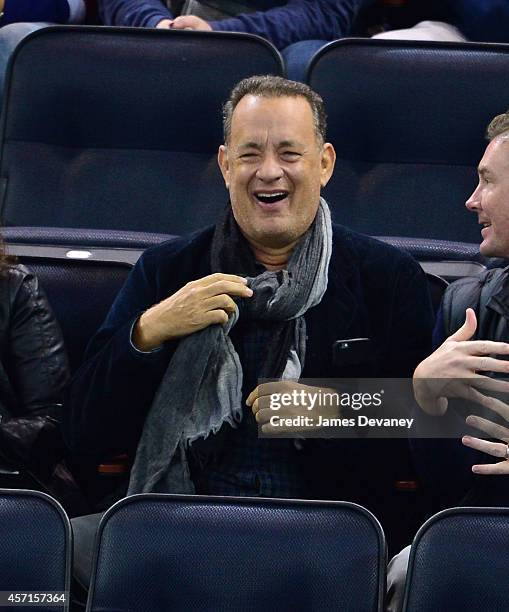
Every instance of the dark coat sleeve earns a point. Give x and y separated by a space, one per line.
54 11
35 361
112 391
135 13
297 20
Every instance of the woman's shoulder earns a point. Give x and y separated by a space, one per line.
17 282
15 271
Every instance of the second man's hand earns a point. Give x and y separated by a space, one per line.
455 370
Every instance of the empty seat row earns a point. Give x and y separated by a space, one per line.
117 129
173 552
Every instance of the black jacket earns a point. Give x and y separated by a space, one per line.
445 464
33 362
374 291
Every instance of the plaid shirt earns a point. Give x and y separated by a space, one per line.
245 464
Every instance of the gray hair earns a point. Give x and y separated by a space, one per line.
275 87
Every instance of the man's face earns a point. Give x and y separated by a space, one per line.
490 199
274 167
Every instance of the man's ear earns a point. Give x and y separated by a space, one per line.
222 160
327 163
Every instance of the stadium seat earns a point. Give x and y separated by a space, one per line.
408 122
448 259
458 562
35 546
118 128
80 291
427 249
98 242
173 552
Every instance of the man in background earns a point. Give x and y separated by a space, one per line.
282 22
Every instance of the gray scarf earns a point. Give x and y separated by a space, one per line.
202 387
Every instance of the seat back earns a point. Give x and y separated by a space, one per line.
118 128
172 552
36 545
79 291
408 121
458 562
445 258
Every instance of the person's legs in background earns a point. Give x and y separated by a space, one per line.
297 57
10 36
426 30
396 578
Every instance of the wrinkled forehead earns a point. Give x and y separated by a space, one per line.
285 117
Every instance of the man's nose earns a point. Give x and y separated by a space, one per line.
269 169
474 201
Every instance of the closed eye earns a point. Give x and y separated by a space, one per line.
290 155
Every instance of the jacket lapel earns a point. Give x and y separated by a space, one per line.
337 315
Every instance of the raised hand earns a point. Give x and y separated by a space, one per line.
200 303
453 369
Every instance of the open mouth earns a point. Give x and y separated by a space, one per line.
484 227
272 197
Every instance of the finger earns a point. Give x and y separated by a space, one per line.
263 416
495 449
164 24
265 390
182 21
494 404
490 384
228 287
223 301
488 364
215 317
252 397
485 347
492 429
469 393
275 430
284 430
276 387
492 469
217 277
467 330
255 406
